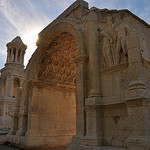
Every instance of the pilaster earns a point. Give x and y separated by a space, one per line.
81 81
23 113
15 116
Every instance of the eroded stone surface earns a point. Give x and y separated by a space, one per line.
12 76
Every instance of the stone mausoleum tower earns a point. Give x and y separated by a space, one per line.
12 76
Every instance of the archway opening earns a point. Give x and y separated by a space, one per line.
16 84
53 102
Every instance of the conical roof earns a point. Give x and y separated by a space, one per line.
17 40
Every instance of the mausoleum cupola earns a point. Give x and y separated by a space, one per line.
15 52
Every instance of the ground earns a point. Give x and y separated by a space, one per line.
6 147
9 147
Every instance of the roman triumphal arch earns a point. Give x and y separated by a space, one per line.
87 84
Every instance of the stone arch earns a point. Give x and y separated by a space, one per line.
41 90
56 64
52 31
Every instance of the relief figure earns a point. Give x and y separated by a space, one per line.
121 43
106 49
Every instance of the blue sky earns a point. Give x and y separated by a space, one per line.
26 18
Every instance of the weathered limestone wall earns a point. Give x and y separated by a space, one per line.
114 85
52 114
115 125
6 109
7 92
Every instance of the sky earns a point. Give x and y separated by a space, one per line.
26 18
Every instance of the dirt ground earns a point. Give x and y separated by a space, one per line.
9 147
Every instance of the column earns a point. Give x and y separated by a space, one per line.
135 62
15 117
6 87
11 86
137 104
93 102
23 113
94 53
11 56
8 55
21 56
1 86
81 83
16 56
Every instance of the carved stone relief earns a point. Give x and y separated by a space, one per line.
114 42
56 65
121 43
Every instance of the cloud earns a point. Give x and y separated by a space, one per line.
22 19
145 14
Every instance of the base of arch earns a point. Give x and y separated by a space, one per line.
38 142
72 146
